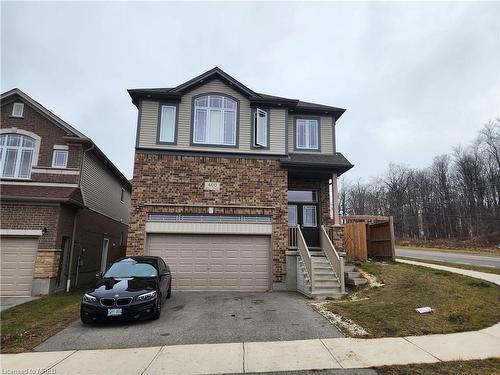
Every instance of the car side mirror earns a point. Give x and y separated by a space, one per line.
163 274
99 274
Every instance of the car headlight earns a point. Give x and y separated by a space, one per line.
146 296
89 298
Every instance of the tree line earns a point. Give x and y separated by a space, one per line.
457 196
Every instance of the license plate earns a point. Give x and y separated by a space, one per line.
114 312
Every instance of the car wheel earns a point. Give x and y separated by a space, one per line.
157 312
169 291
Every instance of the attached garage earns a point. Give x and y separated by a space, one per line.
214 261
18 255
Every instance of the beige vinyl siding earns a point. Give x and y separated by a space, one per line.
326 129
101 190
149 123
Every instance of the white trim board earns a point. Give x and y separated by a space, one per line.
21 183
265 229
20 232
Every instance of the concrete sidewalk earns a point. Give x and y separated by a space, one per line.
491 277
236 358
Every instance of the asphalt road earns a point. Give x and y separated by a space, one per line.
460 258
205 318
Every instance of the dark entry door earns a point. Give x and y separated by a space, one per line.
303 205
308 221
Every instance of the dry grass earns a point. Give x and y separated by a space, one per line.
460 303
479 367
27 325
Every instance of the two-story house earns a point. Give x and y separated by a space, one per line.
64 205
232 186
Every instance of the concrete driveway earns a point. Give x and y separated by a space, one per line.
205 317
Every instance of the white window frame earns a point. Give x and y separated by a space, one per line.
170 135
19 151
292 208
211 110
304 216
261 129
19 112
62 151
307 141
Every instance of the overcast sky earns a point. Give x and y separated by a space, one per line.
416 78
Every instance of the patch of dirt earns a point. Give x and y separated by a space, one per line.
345 325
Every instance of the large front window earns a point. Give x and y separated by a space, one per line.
16 154
215 120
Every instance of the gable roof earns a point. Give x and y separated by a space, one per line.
175 94
11 94
73 134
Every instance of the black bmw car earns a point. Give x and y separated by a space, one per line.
132 288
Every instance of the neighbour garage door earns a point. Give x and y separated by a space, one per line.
214 262
17 263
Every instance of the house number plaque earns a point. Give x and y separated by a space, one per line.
210 185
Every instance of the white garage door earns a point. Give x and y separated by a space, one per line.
18 264
214 262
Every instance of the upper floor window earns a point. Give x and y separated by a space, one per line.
215 120
16 155
167 124
60 157
306 133
18 110
260 128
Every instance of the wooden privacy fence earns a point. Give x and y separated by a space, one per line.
368 237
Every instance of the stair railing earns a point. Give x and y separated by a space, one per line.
336 261
305 254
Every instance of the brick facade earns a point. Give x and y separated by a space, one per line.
47 264
260 185
50 134
26 207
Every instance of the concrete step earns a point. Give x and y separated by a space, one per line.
349 268
320 260
324 276
352 275
325 295
356 281
324 272
326 284
321 266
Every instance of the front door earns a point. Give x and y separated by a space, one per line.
303 210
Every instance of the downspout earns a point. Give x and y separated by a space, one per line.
73 240
73 235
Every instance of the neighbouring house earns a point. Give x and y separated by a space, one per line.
235 189
64 205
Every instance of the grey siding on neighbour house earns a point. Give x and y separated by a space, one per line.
326 136
149 123
101 190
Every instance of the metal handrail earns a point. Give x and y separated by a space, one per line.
336 261
305 255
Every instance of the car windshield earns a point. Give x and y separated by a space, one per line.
131 268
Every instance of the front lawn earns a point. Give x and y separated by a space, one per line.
27 325
478 367
460 303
